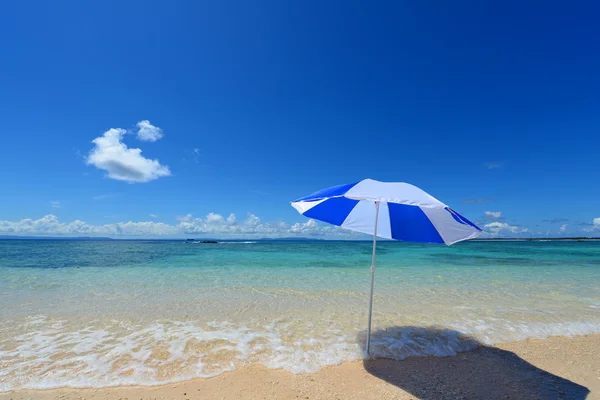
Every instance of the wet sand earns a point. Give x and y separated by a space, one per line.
554 368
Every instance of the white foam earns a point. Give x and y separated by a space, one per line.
53 353
495 330
245 242
399 343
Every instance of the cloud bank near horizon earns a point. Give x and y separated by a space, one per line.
218 226
213 225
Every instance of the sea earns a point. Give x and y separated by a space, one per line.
105 313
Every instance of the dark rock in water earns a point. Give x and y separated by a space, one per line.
194 241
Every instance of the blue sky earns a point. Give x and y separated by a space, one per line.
488 108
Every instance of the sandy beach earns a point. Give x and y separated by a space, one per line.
554 368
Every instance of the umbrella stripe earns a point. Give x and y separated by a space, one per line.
450 229
333 211
362 218
410 224
334 191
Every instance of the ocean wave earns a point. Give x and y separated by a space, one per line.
220 242
54 353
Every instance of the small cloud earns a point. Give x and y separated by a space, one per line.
184 218
594 226
148 132
556 220
493 214
492 165
478 201
231 219
563 228
122 163
104 196
153 216
191 155
253 220
213 218
196 154
55 204
501 228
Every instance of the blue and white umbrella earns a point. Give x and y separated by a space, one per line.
390 210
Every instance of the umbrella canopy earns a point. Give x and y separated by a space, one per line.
391 210
405 212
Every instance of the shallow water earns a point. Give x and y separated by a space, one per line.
102 313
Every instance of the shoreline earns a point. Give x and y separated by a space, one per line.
560 367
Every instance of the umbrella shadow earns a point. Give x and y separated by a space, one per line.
441 363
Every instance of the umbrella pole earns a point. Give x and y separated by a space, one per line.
372 277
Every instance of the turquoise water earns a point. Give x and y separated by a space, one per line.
102 313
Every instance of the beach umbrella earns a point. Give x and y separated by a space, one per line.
390 210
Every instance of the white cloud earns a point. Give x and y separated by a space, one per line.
502 228
492 165
105 196
231 219
307 226
148 132
122 163
215 219
216 224
563 228
50 225
184 218
595 225
493 214
153 216
252 220
55 204
213 225
252 226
